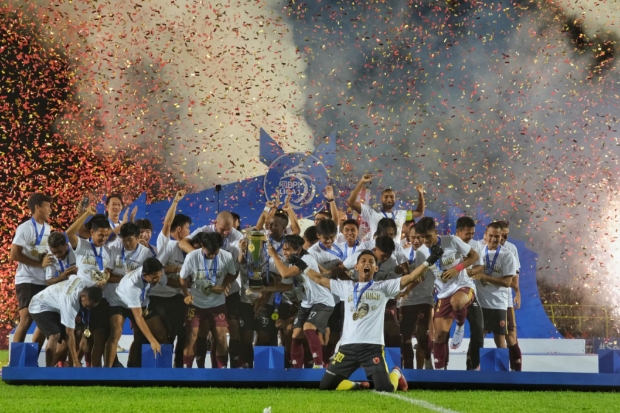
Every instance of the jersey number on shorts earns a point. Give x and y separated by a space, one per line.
190 313
338 357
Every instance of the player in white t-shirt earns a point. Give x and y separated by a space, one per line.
63 265
131 301
455 289
205 277
362 342
167 300
416 307
465 230
514 351
492 283
92 256
125 257
55 310
223 225
388 201
317 304
29 249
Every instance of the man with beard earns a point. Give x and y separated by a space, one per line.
388 201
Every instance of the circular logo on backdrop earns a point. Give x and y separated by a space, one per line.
301 176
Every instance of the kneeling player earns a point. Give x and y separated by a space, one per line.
362 338
54 311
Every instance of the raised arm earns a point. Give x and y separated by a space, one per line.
419 210
75 227
292 217
333 208
352 201
171 213
265 215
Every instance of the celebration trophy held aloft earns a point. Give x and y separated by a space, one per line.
257 260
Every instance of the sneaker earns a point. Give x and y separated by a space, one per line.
318 366
428 365
457 338
402 382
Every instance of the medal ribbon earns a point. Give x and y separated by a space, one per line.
39 235
334 251
346 245
145 289
357 298
271 241
491 265
277 299
386 216
213 269
411 255
62 265
152 251
98 258
125 259
85 319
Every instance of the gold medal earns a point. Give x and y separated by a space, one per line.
249 292
275 316
355 316
86 333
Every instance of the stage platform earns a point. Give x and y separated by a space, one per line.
308 378
269 371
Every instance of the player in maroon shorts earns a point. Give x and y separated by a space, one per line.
211 270
455 289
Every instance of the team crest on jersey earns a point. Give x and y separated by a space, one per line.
302 177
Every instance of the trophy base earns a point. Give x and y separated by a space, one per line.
256 284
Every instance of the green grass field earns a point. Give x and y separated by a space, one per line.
16 399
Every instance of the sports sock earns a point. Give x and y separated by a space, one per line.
315 346
201 352
188 361
514 354
247 355
87 359
407 351
221 361
394 376
297 353
234 350
348 385
460 316
440 352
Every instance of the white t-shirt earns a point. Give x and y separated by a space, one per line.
359 246
62 298
373 217
133 291
59 266
492 296
367 328
26 237
232 237
88 268
454 252
170 255
423 292
119 266
311 293
327 258
202 276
